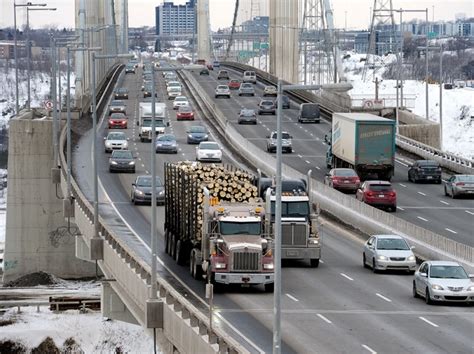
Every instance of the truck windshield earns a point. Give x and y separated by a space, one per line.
292 209
240 228
158 123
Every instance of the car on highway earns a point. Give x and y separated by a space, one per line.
425 170
196 134
234 84
134 62
173 83
147 91
285 102
122 161
343 179
204 71
115 141
249 76
388 252
222 91
286 142
166 143
130 69
141 190
222 74
185 113
173 92
309 112
118 121
459 185
443 281
270 91
209 66
247 116
266 106
117 106
378 194
216 64
208 151
180 101
121 93
246 89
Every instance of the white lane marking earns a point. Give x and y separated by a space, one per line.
421 193
143 165
369 349
452 231
383 297
146 172
400 208
403 185
402 163
292 297
318 168
428 321
321 261
346 276
419 217
442 201
307 162
325 319
469 212
138 153
300 156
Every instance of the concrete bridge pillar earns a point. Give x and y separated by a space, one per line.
284 39
37 237
203 35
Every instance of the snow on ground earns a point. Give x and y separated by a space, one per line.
91 331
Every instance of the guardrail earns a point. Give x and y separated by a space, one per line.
345 208
447 160
184 325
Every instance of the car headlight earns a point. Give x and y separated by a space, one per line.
411 258
139 192
436 287
161 192
470 288
108 144
131 163
382 258
205 136
220 265
190 136
268 266
113 162
313 241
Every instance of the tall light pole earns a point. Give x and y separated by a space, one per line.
426 69
28 51
15 51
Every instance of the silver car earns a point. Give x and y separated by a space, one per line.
115 141
443 281
459 185
246 89
222 91
385 252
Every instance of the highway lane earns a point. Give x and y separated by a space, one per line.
322 294
422 204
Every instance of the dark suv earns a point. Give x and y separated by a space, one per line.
425 170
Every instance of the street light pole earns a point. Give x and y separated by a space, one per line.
440 97
28 52
426 68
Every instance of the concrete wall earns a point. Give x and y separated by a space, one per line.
419 129
36 233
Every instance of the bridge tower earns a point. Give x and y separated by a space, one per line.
382 25
203 33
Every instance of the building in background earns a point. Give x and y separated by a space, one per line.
174 19
259 24
7 49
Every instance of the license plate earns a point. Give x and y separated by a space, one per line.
470 192
429 177
291 253
381 196
347 181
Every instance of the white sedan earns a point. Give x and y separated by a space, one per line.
180 101
222 91
115 141
208 151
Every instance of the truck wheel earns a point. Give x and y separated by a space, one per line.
180 259
314 263
269 288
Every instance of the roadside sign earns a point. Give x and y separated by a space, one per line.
48 104
256 45
432 35
264 45
373 104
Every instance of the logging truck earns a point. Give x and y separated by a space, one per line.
215 221
300 238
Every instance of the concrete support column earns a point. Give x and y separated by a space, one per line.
203 35
284 39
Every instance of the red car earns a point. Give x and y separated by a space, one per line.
234 84
118 120
378 194
343 179
185 113
209 66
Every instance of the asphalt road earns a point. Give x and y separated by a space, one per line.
422 204
339 307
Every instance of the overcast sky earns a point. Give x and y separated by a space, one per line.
141 12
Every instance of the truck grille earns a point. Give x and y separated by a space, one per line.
245 261
293 234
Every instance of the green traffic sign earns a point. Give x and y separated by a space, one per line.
264 46
256 45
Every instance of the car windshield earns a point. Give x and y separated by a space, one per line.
266 103
181 99
222 87
465 178
116 136
166 137
116 103
247 112
392 244
234 81
380 187
118 116
158 123
246 86
240 228
197 129
122 154
292 209
427 163
175 88
223 72
448 272
146 182
184 109
345 173
122 90
209 146
283 136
